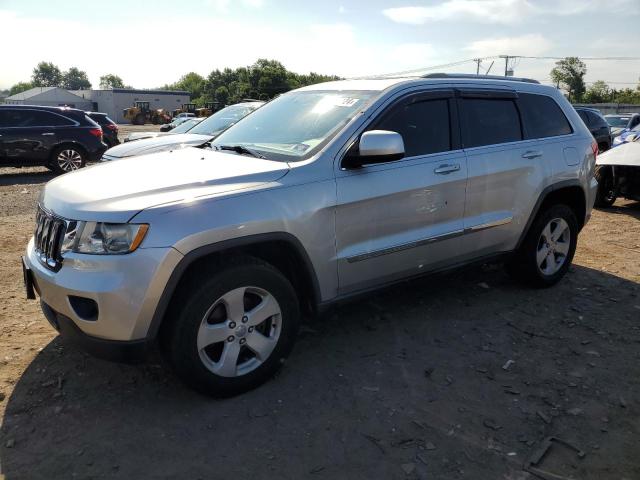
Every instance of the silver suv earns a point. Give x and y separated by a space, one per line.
214 253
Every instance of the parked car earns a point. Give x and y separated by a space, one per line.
597 125
197 135
323 193
173 124
631 135
109 128
620 123
618 174
59 138
182 128
185 115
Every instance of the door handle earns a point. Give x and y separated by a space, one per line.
532 154
48 133
446 169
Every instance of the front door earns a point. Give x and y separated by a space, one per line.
25 137
405 217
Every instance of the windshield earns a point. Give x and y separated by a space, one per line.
617 121
295 125
188 125
223 119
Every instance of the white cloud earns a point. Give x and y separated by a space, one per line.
528 45
503 11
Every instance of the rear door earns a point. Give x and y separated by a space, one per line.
403 217
505 170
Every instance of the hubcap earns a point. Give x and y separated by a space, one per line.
69 160
239 331
553 246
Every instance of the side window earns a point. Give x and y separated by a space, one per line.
585 118
489 121
14 118
543 117
424 126
597 121
39 118
634 122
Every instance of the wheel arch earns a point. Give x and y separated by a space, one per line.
280 249
570 193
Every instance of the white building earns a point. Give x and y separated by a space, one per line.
49 97
114 101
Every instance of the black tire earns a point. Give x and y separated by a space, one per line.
606 194
140 119
71 151
204 289
524 265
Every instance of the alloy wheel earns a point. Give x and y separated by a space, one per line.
69 160
239 331
553 246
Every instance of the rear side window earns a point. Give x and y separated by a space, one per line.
39 118
585 118
424 126
543 117
489 122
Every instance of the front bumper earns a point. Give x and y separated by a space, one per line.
109 297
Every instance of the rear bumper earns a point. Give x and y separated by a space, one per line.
119 351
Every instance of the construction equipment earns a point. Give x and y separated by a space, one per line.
140 114
186 108
209 109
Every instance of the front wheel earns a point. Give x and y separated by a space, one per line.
67 159
547 251
231 332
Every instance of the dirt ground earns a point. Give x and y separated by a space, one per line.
456 376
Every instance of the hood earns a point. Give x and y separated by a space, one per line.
157 144
116 191
626 154
140 135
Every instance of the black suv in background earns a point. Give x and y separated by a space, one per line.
597 125
109 128
59 138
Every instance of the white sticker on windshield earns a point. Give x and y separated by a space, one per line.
346 101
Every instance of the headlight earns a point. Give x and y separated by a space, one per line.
103 238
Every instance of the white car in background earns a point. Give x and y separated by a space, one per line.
196 136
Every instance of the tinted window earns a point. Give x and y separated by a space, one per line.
424 126
101 119
585 118
596 120
14 118
39 118
543 117
489 122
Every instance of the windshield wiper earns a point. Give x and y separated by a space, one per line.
241 149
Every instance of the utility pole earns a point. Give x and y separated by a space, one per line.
478 62
506 63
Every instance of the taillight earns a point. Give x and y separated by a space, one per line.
594 149
96 132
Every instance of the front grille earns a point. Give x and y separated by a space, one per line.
48 237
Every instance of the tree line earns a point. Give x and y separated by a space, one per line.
569 74
266 79
263 80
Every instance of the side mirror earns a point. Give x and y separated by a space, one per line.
375 146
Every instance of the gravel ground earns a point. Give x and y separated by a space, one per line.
455 376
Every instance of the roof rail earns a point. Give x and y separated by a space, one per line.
471 75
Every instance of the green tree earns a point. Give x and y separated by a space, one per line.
599 92
20 87
74 79
111 81
46 74
626 95
192 83
222 95
569 73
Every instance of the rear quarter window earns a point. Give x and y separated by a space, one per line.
543 117
489 122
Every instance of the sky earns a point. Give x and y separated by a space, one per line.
151 43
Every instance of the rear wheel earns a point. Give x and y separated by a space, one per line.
547 251
140 119
67 159
233 330
607 192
